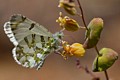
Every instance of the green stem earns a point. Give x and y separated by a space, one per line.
83 19
97 51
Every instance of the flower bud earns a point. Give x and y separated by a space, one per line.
75 49
68 23
71 24
93 33
68 5
105 60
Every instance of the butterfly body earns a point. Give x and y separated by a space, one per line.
33 43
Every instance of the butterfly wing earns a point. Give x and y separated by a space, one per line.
19 27
31 51
29 39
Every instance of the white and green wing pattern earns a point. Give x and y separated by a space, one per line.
32 41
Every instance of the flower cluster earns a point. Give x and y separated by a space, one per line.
105 57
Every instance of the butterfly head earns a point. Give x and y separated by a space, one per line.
58 35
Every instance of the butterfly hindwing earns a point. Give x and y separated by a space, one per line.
30 51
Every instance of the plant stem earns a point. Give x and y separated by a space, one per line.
97 50
83 19
86 69
82 14
106 74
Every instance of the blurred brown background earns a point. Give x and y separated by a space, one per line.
46 12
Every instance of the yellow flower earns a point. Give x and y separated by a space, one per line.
68 23
76 49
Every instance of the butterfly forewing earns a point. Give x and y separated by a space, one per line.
30 40
20 27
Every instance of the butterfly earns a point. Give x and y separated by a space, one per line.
33 42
